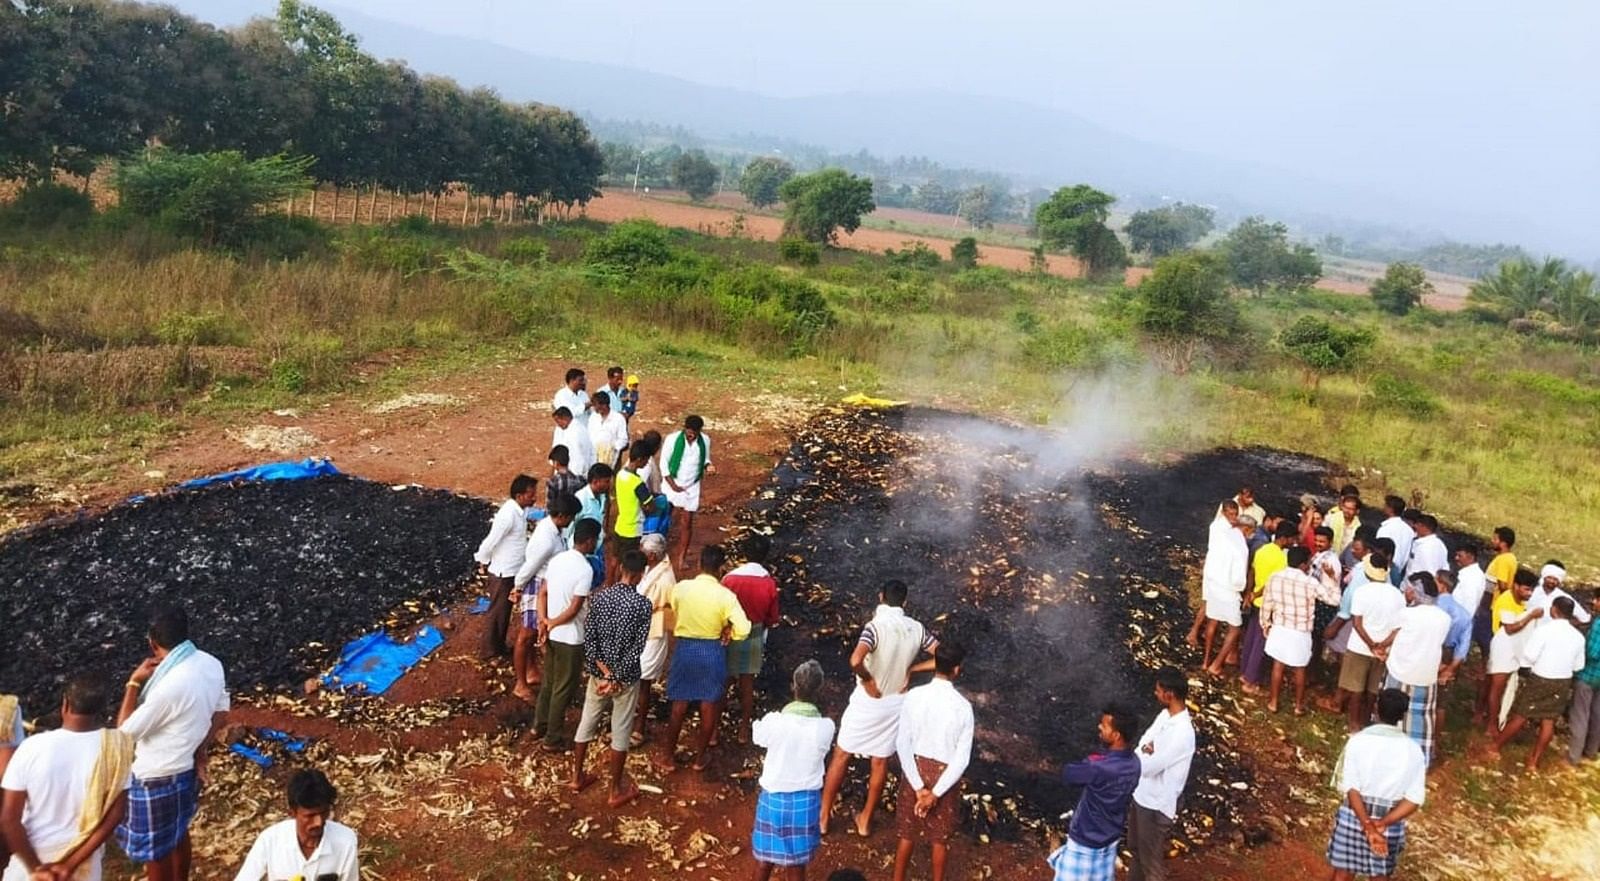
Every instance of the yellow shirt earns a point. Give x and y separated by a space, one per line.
703 607
1269 561
1505 602
1502 569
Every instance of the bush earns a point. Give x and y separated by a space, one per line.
1065 345
308 362
193 329
525 249
215 197
281 237
964 254
46 205
982 280
914 255
630 246
1401 288
793 249
381 249
1404 396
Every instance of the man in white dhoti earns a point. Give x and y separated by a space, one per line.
885 656
686 459
1227 518
1222 583
656 586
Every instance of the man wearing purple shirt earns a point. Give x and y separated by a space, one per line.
1108 780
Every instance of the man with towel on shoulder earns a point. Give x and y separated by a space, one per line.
66 791
885 656
172 706
1552 578
687 457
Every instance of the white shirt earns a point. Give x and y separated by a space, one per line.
503 548
1428 554
609 431
1381 765
1252 510
569 575
1378 604
935 722
1417 649
797 749
176 717
1543 599
1330 557
1227 557
689 467
1401 533
53 768
276 855
575 401
1470 586
1554 651
547 541
1164 771
580 450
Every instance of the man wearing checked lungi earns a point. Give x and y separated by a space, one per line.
1383 778
796 740
707 617
172 706
1108 779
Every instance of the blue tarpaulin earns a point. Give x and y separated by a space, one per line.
375 662
301 470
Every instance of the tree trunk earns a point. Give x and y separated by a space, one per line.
314 190
434 217
466 203
335 218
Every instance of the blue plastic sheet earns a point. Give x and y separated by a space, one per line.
375 662
288 741
254 755
301 470
479 606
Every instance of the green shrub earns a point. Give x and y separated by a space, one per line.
914 255
215 197
964 254
1555 388
983 279
1404 396
308 362
1026 321
384 250
525 249
793 249
281 237
48 204
1065 345
630 246
193 329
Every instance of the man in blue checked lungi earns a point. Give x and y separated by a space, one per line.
787 828
172 706
1108 779
1413 655
1383 779
707 617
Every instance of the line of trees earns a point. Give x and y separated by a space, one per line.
86 81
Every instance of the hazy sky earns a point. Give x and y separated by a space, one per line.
1484 97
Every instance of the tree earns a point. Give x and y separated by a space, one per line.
977 206
1401 289
694 174
1323 348
213 196
1074 219
818 205
1261 259
1161 231
1184 305
1522 287
933 198
762 178
964 254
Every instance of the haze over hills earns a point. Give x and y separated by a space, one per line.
1042 145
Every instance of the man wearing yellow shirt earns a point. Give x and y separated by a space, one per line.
707 617
1497 578
1503 568
1269 559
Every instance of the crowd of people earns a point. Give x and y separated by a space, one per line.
1390 612
598 597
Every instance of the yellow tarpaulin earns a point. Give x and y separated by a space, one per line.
860 400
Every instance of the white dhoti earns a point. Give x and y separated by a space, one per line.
1225 609
687 500
653 662
869 725
1292 647
1503 654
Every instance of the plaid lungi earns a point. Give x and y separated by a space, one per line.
1348 850
1538 698
1420 716
159 813
788 827
1076 862
699 671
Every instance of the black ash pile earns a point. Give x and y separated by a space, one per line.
1068 587
276 576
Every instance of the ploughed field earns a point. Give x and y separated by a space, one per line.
1067 586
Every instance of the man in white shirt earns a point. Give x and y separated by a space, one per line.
575 397
549 539
608 431
1374 610
787 831
499 557
1414 655
934 743
1552 575
1246 504
1428 553
308 845
1227 516
48 797
1471 585
686 457
1165 753
1395 528
1382 779
173 705
561 611
1222 583
573 433
1551 656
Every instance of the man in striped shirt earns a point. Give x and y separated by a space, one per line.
1288 610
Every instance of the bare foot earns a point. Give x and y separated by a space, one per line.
702 762
1192 640
665 763
627 793
1251 689
583 781
1298 711
1272 707
523 693
863 825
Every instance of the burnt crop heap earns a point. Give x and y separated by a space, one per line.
1068 589
276 577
